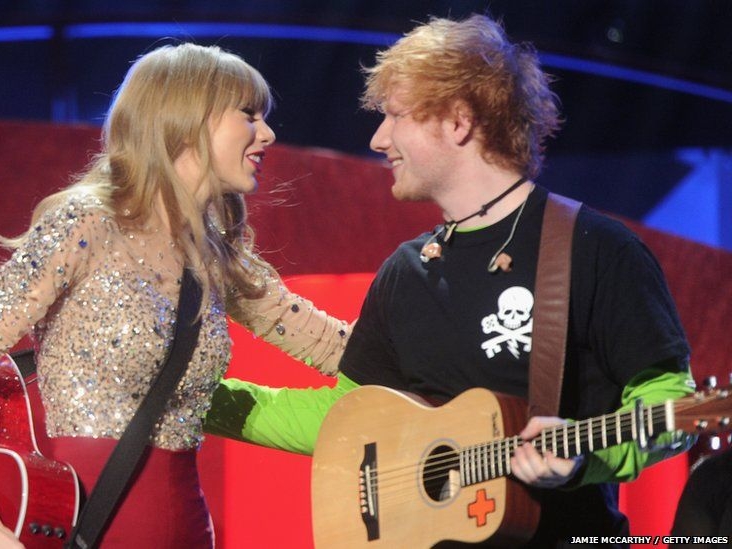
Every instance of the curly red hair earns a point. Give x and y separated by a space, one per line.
472 61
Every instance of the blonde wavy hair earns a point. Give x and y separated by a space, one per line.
445 61
163 106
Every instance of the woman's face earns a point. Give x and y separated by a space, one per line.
238 140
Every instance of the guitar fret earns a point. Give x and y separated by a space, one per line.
493 460
499 458
590 435
468 476
474 465
577 439
483 462
649 428
507 455
566 439
467 468
603 423
554 441
618 437
461 460
633 430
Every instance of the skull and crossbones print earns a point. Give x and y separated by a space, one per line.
512 325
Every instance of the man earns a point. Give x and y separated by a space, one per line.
466 114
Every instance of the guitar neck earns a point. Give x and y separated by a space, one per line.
490 460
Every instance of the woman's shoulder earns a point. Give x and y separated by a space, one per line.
73 212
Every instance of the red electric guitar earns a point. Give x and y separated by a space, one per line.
39 498
391 471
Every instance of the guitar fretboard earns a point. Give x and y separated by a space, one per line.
490 460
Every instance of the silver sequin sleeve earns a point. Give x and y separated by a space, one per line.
55 252
293 324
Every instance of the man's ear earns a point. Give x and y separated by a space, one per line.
461 121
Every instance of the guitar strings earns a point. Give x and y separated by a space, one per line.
619 420
440 464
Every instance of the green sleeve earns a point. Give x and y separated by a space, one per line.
625 462
284 418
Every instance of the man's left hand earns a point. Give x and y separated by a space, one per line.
535 469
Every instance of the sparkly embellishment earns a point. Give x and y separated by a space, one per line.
342 332
280 329
295 308
114 325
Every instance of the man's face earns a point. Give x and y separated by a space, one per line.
415 149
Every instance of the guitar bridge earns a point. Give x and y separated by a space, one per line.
368 480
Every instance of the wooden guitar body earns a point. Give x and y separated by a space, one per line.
390 471
385 472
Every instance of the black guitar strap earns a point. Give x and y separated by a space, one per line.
111 484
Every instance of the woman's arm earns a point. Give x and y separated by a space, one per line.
293 324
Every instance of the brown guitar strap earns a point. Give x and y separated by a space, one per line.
551 306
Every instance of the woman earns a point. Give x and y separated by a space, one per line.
97 277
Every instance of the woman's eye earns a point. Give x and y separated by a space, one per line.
249 112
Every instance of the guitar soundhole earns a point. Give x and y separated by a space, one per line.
436 478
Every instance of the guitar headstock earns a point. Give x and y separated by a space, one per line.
707 411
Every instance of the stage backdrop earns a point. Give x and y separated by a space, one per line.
327 221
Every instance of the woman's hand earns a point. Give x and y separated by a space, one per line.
8 540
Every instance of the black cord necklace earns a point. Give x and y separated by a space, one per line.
433 249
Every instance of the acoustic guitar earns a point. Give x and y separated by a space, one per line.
391 471
39 497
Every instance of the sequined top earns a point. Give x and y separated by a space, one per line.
101 301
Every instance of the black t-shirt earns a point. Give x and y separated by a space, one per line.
442 327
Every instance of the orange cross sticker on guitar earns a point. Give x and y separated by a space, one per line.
480 508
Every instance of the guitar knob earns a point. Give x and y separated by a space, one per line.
47 530
34 528
59 532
